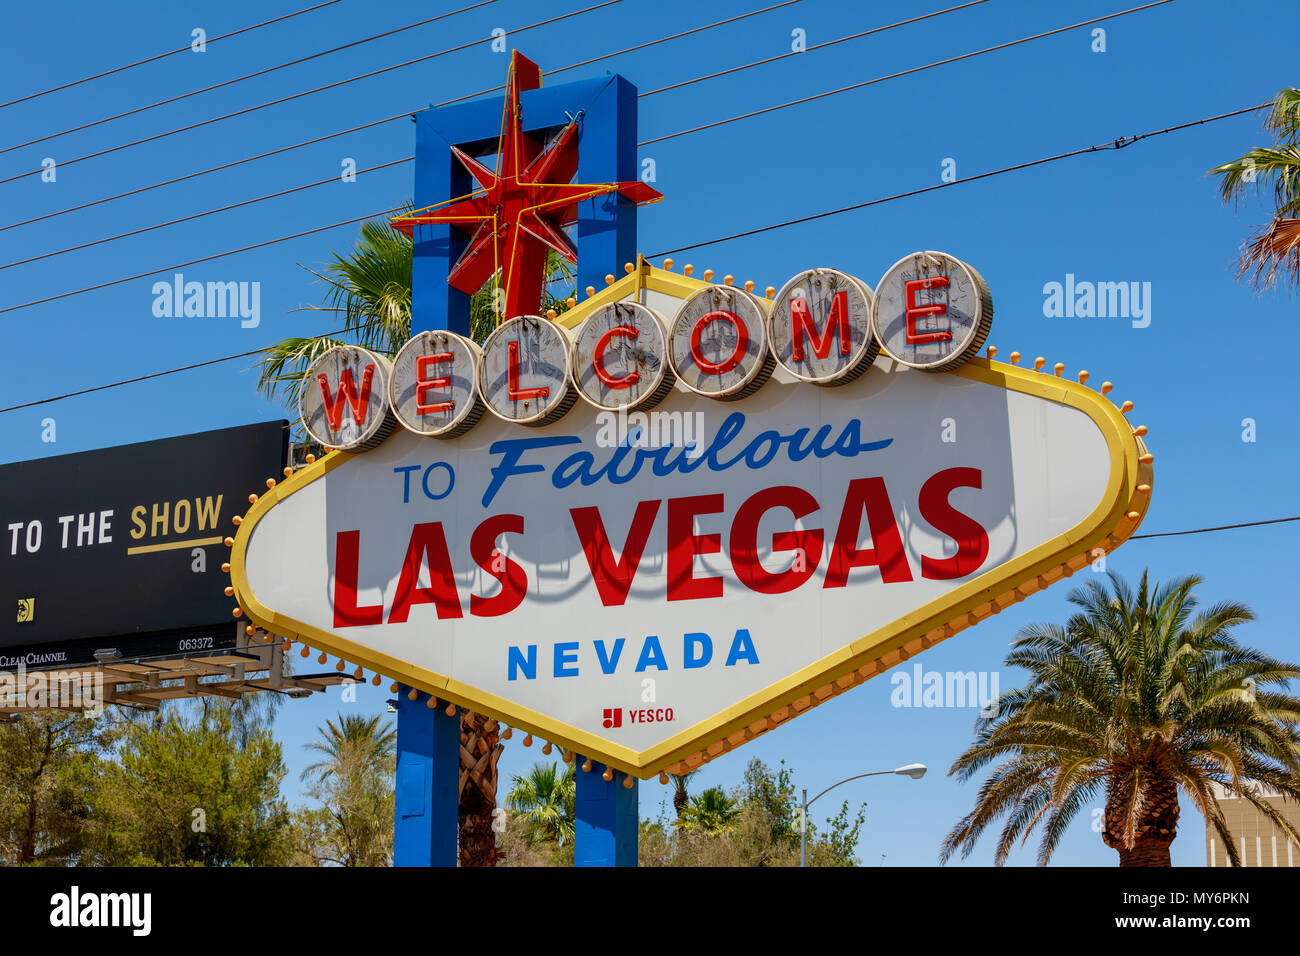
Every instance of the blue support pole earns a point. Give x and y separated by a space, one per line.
428 742
428 774
606 811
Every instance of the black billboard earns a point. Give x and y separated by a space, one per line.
122 547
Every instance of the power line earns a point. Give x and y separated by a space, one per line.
203 172
1120 143
893 76
182 265
323 182
247 76
448 102
815 46
389 119
1116 144
1222 527
159 56
268 348
630 49
146 377
200 215
318 89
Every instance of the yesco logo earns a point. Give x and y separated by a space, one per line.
612 717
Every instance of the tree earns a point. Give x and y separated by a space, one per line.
1138 697
189 790
480 749
545 798
711 812
50 767
1276 247
681 796
354 783
369 290
771 797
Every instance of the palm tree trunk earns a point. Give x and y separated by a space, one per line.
480 749
1156 827
1145 853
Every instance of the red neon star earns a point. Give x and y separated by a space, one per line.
520 210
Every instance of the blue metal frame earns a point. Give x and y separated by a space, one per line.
606 228
606 832
428 741
425 821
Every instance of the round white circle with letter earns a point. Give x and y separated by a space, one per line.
933 311
620 357
820 327
524 372
433 388
343 401
717 343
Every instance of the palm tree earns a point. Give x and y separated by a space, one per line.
1276 247
354 783
711 811
546 798
681 797
353 738
369 292
1137 698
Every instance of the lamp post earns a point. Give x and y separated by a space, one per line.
914 770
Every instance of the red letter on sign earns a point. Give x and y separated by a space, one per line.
916 311
514 581
972 540
424 385
684 544
613 578
887 545
346 561
348 392
801 323
807 545
427 543
516 393
742 342
598 358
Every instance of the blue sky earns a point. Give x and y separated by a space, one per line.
1147 213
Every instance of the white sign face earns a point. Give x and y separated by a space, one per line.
674 565
637 595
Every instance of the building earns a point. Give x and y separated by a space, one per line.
1259 841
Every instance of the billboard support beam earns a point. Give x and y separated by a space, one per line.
428 772
605 832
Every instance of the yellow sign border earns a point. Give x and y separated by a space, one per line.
1117 516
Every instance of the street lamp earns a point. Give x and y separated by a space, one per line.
914 770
